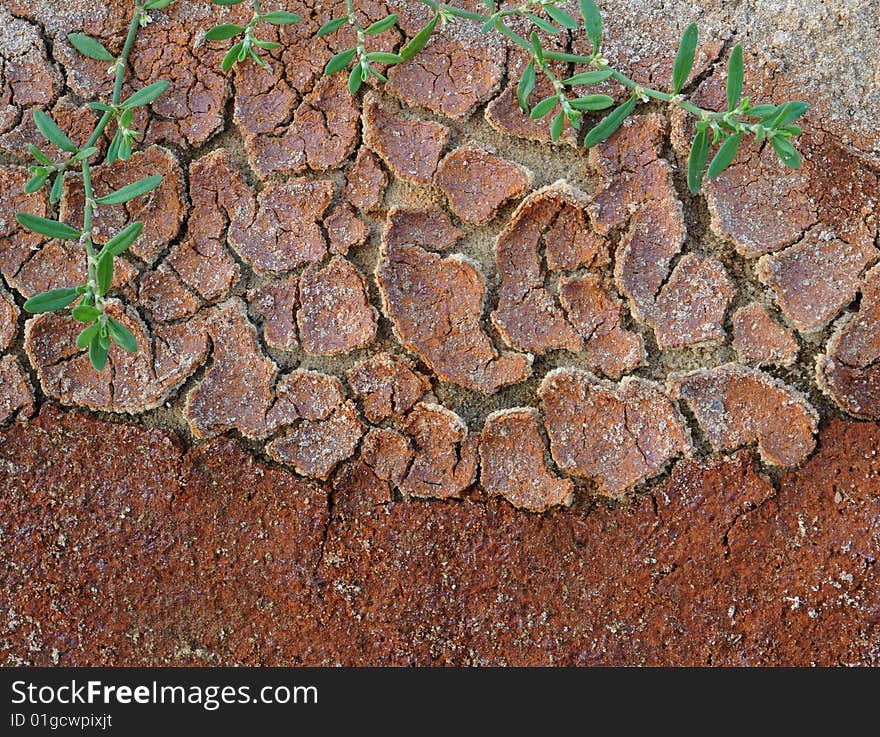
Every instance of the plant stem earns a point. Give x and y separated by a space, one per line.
120 66
517 39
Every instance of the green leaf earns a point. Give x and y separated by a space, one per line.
90 47
610 123
270 45
231 57
130 191
763 111
556 126
52 132
724 156
97 351
125 148
381 57
36 182
684 59
339 62
57 189
561 17
50 301
100 106
587 78
544 25
38 155
697 160
525 86
105 272
145 96
121 242
84 339
538 50
418 42
226 2
788 113
121 336
222 32
544 107
355 79
85 153
113 148
593 23
49 228
381 25
787 153
85 313
332 25
281 18
157 4
592 102
734 77
563 56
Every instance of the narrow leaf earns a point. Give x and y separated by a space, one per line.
561 17
85 313
90 47
36 182
50 301
52 132
724 156
544 25
130 191
339 62
684 59
525 86
113 148
544 107
270 45
231 56
158 4
697 160
593 22
49 228
97 351
105 272
609 123
381 25
121 242
281 18
418 42
38 155
226 2
355 79
381 57
763 111
57 189
224 31
787 153
122 337
145 96
734 77
592 102
332 25
587 78
84 339
556 126
789 112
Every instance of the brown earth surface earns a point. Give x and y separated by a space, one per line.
416 386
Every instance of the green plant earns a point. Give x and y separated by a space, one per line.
90 307
244 48
771 123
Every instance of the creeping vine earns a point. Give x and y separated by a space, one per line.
772 123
